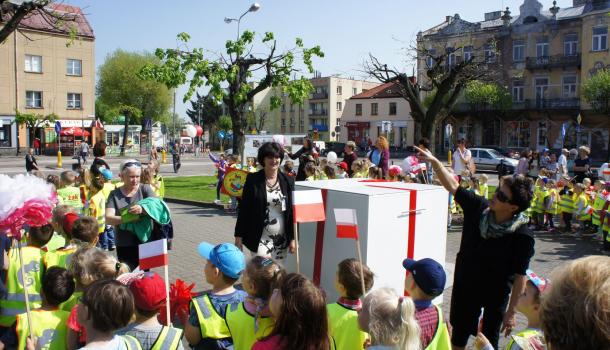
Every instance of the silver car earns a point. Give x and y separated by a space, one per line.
490 159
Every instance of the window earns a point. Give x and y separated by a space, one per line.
468 53
541 87
5 134
542 140
283 121
374 108
451 59
33 99
570 44
339 106
33 64
430 57
392 108
490 53
339 90
518 91
484 155
358 108
291 107
542 47
338 121
74 101
74 67
283 107
600 38
354 91
518 51
518 134
569 86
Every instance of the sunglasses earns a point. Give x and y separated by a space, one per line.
131 164
501 196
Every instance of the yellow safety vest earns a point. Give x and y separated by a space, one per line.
526 334
566 203
69 304
168 339
582 201
108 187
97 209
241 326
70 195
14 303
598 204
343 327
541 195
131 342
49 327
211 324
160 192
554 207
484 190
61 257
441 339
57 241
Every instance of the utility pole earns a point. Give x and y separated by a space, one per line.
174 118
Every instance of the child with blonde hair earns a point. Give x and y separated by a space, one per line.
251 320
390 320
483 187
67 193
312 172
375 173
357 168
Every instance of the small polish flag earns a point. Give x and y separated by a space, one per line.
153 254
347 225
308 206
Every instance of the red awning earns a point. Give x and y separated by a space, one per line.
74 131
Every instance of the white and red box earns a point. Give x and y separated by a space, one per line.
396 220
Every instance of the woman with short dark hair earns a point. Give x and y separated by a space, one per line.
264 219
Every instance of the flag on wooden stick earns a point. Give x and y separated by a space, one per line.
308 206
347 224
153 254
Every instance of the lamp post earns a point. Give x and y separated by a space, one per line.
253 8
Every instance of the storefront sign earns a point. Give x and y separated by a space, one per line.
68 123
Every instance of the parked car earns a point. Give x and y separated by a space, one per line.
337 147
510 153
490 159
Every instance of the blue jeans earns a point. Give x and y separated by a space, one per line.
107 238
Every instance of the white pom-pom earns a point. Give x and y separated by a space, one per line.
15 191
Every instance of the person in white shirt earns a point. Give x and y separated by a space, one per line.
461 157
562 162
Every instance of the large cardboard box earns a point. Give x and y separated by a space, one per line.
395 220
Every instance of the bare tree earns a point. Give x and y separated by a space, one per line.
433 98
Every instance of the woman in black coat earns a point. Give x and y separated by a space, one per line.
306 154
264 220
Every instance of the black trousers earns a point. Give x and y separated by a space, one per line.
129 255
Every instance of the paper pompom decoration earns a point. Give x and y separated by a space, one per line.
24 200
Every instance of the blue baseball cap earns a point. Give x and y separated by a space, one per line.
428 274
225 256
107 174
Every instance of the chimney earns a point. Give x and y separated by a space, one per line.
448 19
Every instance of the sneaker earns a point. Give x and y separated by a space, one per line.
217 201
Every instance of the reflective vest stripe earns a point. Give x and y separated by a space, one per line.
131 342
21 297
168 339
215 325
7 311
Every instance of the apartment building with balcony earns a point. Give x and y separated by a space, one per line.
44 70
543 55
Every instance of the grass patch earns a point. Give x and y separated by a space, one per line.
194 188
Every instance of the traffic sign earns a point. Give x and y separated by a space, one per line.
221 134
147 124
57 127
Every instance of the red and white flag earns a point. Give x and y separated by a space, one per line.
308 206
153 254
347 224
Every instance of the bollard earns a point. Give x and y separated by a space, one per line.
59 159
164 156
449 157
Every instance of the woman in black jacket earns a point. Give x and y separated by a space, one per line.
264 220
306 154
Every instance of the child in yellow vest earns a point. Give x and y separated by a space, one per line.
605 221
81 230
552 204
483 187
389 319
158 183
107 238
59 238
68 193
251 320
31 255
598 199
539 205
48 322
425 281
566 203
582 210
343 315
297 301
206 327
529 305
97 201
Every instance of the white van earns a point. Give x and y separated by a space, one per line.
187 142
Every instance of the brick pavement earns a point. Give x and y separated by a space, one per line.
193 225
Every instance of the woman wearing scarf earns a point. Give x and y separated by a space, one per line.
495 251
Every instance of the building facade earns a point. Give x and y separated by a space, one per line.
364 115
543 56
44 70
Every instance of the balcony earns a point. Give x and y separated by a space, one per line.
318 95
318 112
557 61
564 103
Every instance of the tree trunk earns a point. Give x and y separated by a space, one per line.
125 133
239 139
427 128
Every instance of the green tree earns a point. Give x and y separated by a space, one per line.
204 109
119 86
596 91
231 76
487 96
34 121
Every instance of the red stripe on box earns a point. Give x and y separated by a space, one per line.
309 212
153 261
347 231
412 217
319 249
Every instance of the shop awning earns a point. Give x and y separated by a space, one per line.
74 131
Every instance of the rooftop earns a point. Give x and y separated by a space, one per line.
387 90
60 21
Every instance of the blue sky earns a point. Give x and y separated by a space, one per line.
346 30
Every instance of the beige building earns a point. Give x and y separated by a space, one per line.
44 71
364 115
544 54
319 115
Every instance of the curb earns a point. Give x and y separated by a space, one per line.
193 203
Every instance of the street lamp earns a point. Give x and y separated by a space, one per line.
253 8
